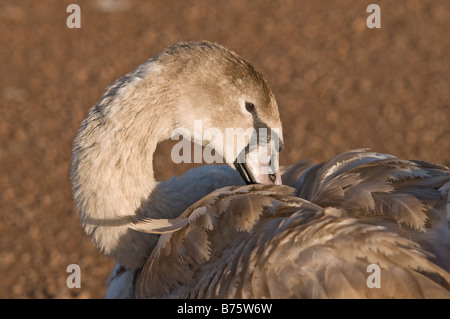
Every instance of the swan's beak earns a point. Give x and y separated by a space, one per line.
258 167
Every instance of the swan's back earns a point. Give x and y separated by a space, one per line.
413 196
312 239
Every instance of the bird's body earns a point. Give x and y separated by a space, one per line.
207 235
179 193
316 240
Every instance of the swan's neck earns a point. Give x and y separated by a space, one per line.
112 171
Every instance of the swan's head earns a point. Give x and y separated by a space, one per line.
224 104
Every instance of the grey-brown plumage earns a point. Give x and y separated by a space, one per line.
314 238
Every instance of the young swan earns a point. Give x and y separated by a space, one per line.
112 173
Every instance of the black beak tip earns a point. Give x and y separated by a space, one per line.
245 173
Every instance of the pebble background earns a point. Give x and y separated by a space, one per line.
339 86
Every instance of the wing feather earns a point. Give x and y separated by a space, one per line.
311 241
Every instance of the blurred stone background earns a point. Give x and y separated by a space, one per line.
339 85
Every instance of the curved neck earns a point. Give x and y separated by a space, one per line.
112 170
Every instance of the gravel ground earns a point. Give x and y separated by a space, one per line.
339 85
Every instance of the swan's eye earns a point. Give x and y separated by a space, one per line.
250 107
273 177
